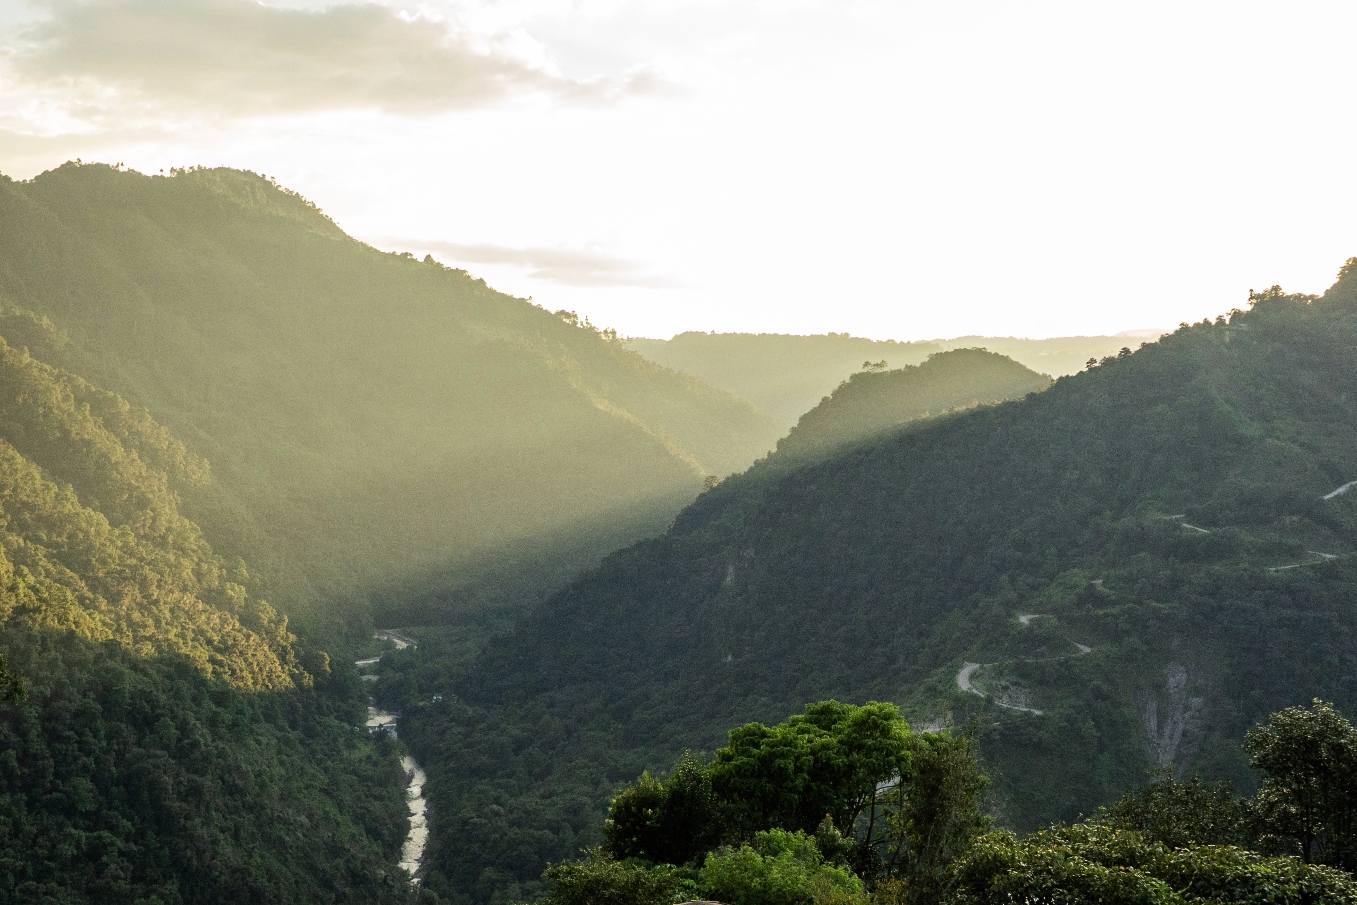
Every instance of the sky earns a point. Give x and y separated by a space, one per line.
895 169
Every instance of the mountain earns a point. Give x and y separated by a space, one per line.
783 375
1120 574
383 432
787 376
871 402
92 540
177 743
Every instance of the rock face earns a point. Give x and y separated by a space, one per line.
1170 745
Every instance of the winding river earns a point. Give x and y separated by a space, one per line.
412 852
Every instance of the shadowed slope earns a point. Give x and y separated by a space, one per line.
371 420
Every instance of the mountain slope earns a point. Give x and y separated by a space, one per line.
870 402
132 779
177 744
378 427
1160 510
91 539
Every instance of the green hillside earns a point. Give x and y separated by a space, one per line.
92 540
1167 523
380 428
787 376
176 743
870 402
131 779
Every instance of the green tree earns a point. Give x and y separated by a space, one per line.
673 821
1086 864
12 688
938 814
828 761
602 880
780 868
1179 813
1309 756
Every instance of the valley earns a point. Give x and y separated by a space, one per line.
234 441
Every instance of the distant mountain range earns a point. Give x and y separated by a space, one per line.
787 375
874 401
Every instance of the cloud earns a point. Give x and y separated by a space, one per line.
566 266
247 59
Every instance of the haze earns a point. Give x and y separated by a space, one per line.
892 169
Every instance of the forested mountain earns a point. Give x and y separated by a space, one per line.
133 779
870 402
1168 524
378 427
92 540
787 375
176 743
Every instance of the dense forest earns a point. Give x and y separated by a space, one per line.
384 432
164 737
92 540
787 375
1166 524
136 779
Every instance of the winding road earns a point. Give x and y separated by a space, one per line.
963 678
412 852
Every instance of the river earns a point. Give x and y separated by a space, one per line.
412 852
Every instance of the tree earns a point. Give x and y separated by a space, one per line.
780 868
1086 864
1181 813
1310 793
12 688
828 761
673 821
601 880
937 815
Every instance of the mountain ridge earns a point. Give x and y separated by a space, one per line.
879 572
382 431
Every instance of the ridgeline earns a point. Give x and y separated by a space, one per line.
383 432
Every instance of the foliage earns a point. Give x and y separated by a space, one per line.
779 868
13 688
126 779
601 880
1180 813
936 815
672 822
825 762
1309 756
93 541
1089 863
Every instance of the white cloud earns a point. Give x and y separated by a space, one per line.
563 266
200 58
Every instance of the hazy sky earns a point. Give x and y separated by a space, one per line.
891 169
